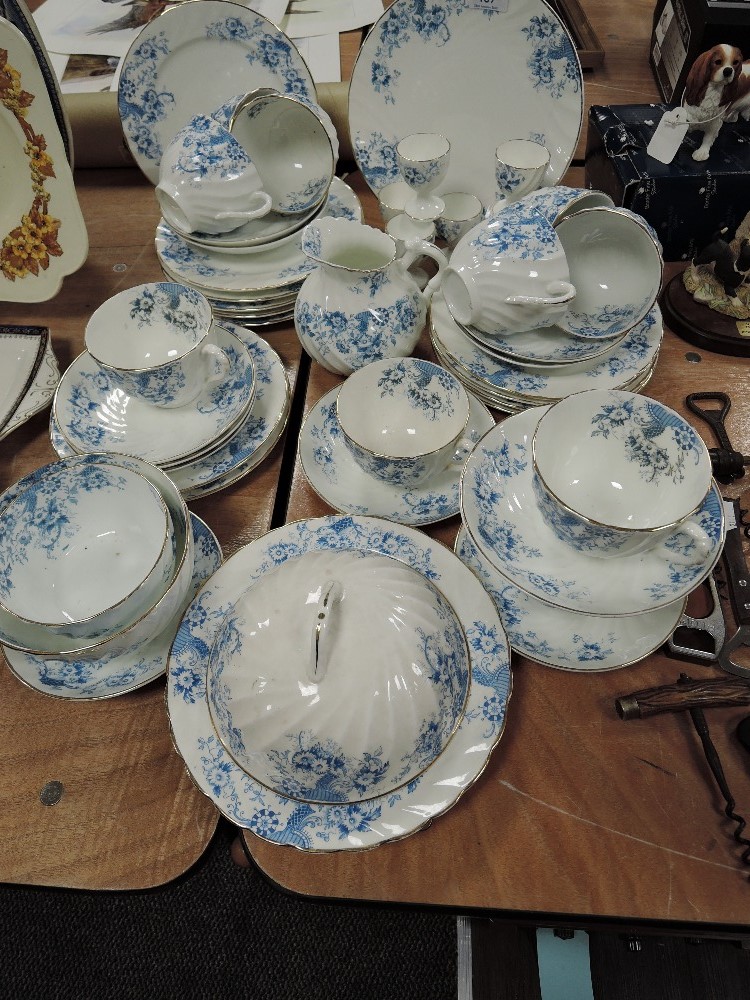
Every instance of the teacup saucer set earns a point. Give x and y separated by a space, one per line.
540 301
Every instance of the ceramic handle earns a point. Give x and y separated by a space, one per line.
558 292
331 594
421 248
217 362
260 205
698 553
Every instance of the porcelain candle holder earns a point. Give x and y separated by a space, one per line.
520 167
353 683
617 473
155 341
207 181
360 304
616 266
290 145
84 550
509 274
423 159
405 420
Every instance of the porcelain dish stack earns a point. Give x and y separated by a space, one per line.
240 153
235 416
100 557
591 590
521 319
285 728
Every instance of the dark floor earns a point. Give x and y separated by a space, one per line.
223 931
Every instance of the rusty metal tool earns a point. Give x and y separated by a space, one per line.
727 463
738 581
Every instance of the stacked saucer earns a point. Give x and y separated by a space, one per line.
560 604
237 425
254 284
545 365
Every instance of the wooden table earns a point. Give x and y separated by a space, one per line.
579 818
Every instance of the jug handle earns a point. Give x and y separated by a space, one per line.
559 292
421 248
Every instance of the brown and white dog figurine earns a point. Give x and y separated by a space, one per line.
708 91
739 95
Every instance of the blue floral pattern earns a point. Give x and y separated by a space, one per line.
147 106
338 826
43 517
552 63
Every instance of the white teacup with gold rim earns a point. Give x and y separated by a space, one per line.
617 473
404 419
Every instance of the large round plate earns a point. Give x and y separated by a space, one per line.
191 59
500 512
473 72
339 826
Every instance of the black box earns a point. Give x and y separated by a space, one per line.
685 201
685 28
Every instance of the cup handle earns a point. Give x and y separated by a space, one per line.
261 199
421 248
559 292
330 595
697 553
217 363
464 447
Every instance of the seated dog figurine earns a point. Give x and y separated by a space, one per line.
708 92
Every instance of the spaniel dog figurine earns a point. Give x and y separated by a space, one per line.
708 92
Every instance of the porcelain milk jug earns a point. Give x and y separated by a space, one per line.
360 304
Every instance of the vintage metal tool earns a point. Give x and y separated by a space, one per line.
710 628
691 696
727 463
738 583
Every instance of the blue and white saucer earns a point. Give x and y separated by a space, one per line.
249 444
500 512
89 680
567 639
335 476
626 363
338 826
93 414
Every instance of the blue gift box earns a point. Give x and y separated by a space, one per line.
686 201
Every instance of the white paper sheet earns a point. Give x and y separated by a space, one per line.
323 57
107 27
325 17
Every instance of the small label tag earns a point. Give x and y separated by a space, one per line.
498 6
669 133
730 521
743 327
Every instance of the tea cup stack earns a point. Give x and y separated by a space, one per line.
591 521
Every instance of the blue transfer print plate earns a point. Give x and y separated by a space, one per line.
613 369
503 520
89 680
567 639
337 827
475 74
163 80
336 477
94 415
249 444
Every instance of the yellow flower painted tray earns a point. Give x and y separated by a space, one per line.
42 233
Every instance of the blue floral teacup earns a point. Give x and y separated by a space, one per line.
155 341
404 420
617 473
208 182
